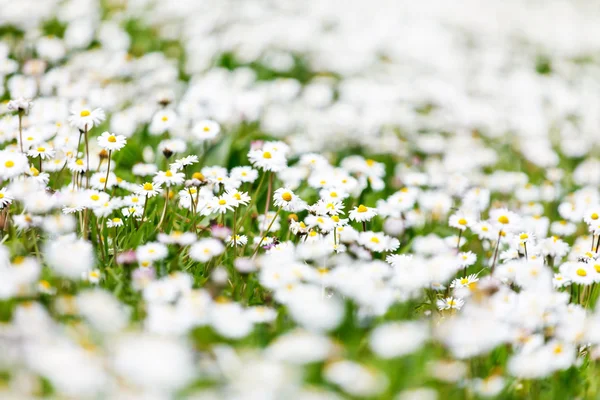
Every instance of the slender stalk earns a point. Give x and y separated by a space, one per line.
40 163
266 232
270 188
496 251
252 200
87 158
164 212
107 169
145 205
525 248
234 232
59 176
460 232
115 247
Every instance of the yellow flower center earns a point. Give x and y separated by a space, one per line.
362 209
237 196
333 194
287 196
335 218
462 221
84 113
41 149
198 175
95 197
374 239
165 118
116 220
206 129
79 162
34 171
370 162
503 219
222 202
267 155
169 173
148 186
594 216
1 195
523 236
112 139
581 272
102 180
9 164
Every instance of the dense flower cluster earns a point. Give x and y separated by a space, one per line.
304 200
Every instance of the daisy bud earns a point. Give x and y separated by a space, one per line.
167 153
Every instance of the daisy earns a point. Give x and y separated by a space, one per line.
84 118
239 198
92 276
20 105
184 162
132 211
461 221
152 251
333 195
240 240
287 200
448 303
206 130
504 220
324 223
42 150
5 198
267 160
177 237
559 280
466 259
362 213
244 174
465 282
485 230
99 180
95 198
162 121
76 165
327 207
378 242
12 164
144 169
169 178
114 222
579 272
205 249
222 204
111 142
148 189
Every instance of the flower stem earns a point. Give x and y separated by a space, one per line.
87 158
270 187
496 251
107 170
266 232
164 212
